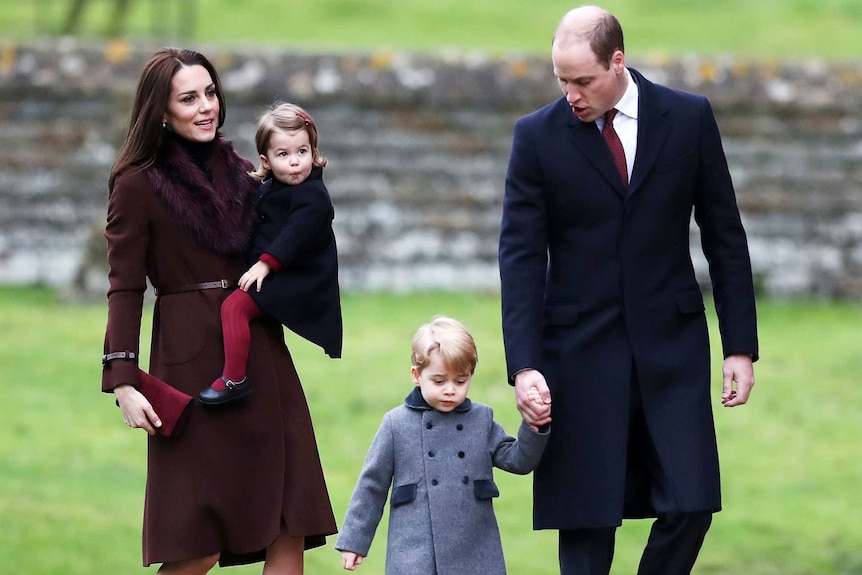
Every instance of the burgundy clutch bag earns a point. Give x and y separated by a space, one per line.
170 404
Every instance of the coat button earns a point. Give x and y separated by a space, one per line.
429 425
430 454
434 482
461 454
465 480
459 427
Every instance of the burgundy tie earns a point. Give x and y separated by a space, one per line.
614 144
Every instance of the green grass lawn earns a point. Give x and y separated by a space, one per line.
762 29
71 474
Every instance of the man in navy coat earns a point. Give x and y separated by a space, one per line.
601 309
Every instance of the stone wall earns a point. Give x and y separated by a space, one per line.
418 146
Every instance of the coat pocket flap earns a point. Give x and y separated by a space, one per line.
560 314
403 494
485 489
690 302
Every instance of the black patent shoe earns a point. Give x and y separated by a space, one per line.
234 390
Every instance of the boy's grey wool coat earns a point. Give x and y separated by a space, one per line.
441 518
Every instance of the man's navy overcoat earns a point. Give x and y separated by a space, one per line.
598 280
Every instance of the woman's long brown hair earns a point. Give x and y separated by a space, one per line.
146 134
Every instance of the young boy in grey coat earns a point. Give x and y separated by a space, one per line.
438 451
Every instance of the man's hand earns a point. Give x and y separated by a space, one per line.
738 375
535 413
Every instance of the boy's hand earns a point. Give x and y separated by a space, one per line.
534 395
351 560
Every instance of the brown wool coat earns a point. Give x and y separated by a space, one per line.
233 475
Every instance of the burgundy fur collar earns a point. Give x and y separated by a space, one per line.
217 211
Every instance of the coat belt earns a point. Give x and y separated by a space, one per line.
220 284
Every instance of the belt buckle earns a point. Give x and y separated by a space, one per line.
225 284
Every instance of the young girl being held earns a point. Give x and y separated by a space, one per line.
294 277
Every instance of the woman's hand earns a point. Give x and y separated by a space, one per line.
137 411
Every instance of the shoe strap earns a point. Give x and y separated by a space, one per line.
230 383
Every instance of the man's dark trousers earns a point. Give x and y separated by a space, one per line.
675 538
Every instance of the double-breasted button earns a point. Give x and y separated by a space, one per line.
430 454
459 427
429 425
461 454
465 480
434 482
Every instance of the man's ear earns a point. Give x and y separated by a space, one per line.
618 61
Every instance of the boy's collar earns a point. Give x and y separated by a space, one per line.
416 401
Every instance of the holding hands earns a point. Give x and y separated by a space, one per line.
533 398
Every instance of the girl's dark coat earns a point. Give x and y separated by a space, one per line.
295 227
233 477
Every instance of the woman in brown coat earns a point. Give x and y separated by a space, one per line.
234 485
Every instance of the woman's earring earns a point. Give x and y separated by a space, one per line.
164 125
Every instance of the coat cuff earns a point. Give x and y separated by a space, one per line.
120 372
271 261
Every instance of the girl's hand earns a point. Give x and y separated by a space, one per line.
254 275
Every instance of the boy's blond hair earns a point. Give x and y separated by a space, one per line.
449 337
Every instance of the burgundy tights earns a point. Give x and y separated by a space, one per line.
237 311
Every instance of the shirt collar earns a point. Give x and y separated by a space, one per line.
628 104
